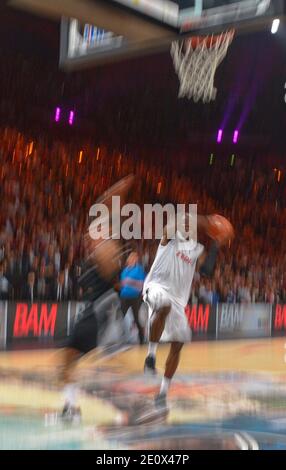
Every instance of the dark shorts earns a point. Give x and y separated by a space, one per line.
85 334
89 330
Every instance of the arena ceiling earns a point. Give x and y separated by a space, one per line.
134 102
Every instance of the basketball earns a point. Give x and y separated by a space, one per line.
220 229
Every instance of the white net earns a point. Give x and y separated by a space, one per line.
196 62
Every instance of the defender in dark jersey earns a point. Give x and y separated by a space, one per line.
97 282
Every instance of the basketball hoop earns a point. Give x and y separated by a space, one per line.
196 60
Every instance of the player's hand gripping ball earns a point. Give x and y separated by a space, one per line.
220 229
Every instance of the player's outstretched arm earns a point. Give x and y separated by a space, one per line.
207 261
105 252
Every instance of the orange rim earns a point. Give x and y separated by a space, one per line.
209 40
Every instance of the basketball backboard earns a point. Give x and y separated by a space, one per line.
161 21
187 15
96 31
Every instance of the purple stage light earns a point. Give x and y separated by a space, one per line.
71 118
235 137
57 114
219 136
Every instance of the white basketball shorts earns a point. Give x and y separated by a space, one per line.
176 327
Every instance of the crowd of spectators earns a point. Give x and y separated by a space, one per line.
48 188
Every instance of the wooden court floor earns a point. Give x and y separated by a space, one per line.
265 355
212 384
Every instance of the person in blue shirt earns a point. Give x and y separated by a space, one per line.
131 284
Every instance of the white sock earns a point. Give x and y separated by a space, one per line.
165 385
152 349
70 393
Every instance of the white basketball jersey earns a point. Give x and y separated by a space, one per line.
174 267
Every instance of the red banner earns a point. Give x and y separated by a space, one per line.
202 320
37 320
279 319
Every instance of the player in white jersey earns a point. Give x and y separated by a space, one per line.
167 290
